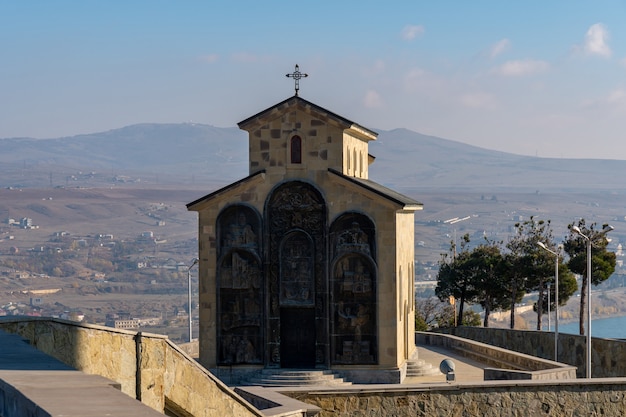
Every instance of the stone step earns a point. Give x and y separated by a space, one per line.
291 378
419 367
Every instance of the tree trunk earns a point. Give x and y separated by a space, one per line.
487 311
540 306
513 297
459 320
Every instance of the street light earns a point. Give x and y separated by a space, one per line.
606 229
549 307
194 262
556 299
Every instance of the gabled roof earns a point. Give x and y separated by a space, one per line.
222 190
407 202
299 101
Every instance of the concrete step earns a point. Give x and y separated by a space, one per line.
295 378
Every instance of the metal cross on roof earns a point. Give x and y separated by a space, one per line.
296 75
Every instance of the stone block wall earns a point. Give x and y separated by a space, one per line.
608 356
572 398
511 364
148 367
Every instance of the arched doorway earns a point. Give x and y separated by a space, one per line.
297 284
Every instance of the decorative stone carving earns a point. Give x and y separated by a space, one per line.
296 270
240 234
353 233
353 240
296 216
240 286
353 329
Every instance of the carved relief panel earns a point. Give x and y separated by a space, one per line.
354 337
240 287
296 216
297 264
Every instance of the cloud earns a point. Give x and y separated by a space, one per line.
376 69
414 78
210 58
614 101
596 41
372 100
499 47
521 68
622 62
411 32
478 100
244 57
617 97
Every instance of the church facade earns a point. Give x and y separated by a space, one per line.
306 263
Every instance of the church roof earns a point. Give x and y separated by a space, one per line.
260 174
299 101
406 202
388 193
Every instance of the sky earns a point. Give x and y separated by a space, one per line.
540 78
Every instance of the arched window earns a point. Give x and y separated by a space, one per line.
296 150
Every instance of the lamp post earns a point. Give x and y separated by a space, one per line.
194 262
549 307
606 229
556 299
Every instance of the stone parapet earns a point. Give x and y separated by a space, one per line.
608 356
493 398
510 364
147 367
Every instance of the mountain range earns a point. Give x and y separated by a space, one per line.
198 154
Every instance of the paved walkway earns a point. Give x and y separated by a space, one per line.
465 370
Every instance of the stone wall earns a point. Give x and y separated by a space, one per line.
573 398
608 356
511 364
166 377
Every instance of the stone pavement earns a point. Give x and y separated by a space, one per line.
466 370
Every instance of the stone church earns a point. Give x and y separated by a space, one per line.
306 263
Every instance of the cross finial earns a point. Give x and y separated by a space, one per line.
296 75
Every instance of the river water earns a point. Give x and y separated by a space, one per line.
612 327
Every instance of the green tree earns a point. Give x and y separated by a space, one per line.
567 286
514 281
474 276
430 312
533 265
454 278
470 318
420 323
487 276
602 261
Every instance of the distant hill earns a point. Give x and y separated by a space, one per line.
196 153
